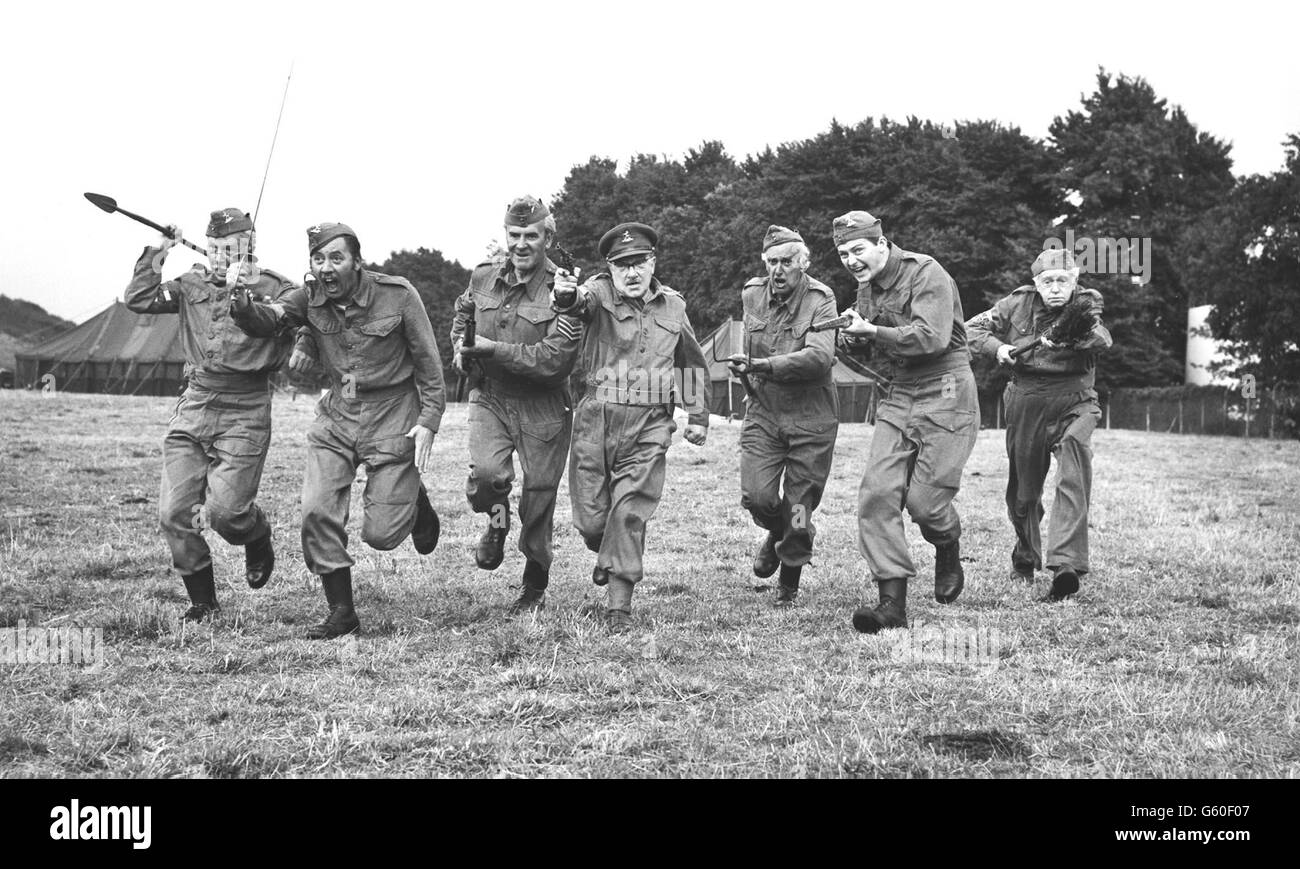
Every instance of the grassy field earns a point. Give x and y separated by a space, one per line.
1178 658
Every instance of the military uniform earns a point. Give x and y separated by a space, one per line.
926 423
519 399
217 439
1051 409
792 420
928 420
632 351
381 356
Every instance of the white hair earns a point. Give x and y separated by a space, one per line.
802 254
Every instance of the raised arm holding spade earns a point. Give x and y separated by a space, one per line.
216 443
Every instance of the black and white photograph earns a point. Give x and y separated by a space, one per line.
672 390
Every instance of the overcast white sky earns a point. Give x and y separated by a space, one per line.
416 123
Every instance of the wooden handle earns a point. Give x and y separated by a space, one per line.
147 222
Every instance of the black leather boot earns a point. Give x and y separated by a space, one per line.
342 618
765 560
259 561
202 590
949 578
891 612
492 545
788 587
533 596
427 527
1064 584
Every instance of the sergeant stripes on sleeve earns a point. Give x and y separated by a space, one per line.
569 327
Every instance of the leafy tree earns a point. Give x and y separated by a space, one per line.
438 281
1249 251
1128 167
675 197
980 197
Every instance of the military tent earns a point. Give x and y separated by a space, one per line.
116 351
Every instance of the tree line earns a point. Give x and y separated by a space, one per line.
983 198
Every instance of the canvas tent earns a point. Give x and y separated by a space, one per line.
856 391
116 352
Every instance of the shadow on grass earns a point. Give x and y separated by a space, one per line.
13 747
147 622
978 745
231 763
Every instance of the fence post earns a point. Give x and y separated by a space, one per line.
1148 408
1202 414
1108 414
1180 416
1272 410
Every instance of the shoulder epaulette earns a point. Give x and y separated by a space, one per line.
814 284
392 280
276 275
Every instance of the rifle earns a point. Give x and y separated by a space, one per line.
1072 326
743 376
466 340
833 323
840 322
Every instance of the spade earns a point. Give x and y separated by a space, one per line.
109 204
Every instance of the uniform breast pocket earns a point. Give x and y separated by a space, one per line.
323 321
622 333
791 338
374 338
533 322
487 316
663 337
1022 326
893 313
755 335
379 328
486 301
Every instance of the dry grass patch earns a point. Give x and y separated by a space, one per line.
1179 657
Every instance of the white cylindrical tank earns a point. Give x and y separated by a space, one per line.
1201 348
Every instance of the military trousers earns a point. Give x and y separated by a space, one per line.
925 431
784 462
369 430
213 455
616 478
536 425
1042 422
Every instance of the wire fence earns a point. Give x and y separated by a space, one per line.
1248 410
